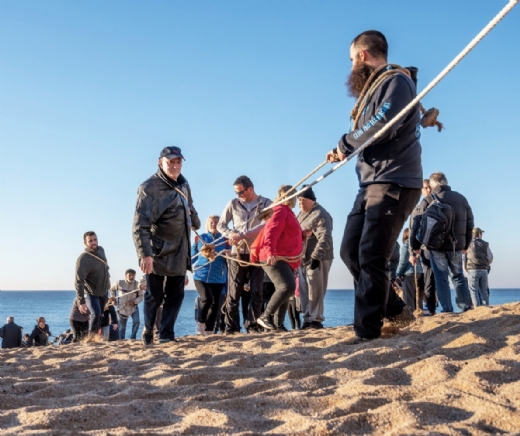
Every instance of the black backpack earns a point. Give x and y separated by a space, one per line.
436 225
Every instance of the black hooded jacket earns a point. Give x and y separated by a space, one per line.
396 156
162 223
464 221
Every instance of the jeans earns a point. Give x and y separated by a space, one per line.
282 276
237 277
478 287
159 289
372 228
96 305
446 263
209 294
135 324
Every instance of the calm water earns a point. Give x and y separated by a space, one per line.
55 306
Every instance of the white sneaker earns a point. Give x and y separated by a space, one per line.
201 328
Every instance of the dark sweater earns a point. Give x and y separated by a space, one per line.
11 335
39 336
396 156
92 274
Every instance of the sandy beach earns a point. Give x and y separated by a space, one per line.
447 374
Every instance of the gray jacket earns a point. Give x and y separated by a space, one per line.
396 156
240 214
319 244
162 223
92 274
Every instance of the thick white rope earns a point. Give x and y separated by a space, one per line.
404 111
433 83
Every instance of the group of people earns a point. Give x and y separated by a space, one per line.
295 253
13 337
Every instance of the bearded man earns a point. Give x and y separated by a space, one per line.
390 179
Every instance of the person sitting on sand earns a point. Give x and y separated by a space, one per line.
11 334
40 334
279 245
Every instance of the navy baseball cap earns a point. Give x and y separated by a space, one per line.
171 153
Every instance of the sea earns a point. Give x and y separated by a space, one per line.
55 306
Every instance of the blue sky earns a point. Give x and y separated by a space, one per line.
92 91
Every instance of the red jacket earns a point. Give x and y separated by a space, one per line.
281 236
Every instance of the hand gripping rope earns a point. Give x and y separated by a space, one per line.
404 111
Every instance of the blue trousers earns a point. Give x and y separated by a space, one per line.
135 324
96 305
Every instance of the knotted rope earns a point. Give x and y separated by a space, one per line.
428 117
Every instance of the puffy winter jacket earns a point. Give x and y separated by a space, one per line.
214 272
162 223
281 236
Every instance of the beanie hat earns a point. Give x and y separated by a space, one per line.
308 193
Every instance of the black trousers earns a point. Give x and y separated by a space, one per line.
209 294
430 292
372 228
409 292
237 277
268 293
79 329
282 276
159 289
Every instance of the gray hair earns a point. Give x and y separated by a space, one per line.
438 179
10 319
210 218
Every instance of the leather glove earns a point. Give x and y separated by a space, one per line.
399 281
315 263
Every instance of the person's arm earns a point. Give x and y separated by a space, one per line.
323 234
273 229
392 96
489 255
144 217
404 255
81 275
195 220
195 247
2 331
470 223
225 219
32 336
140 295
20 336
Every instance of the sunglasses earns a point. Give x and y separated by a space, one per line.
240 192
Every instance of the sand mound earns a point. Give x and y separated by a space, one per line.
448 374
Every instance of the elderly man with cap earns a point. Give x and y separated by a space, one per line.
477 264
163 218
11 334
315 267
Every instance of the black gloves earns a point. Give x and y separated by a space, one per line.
399 281
315 263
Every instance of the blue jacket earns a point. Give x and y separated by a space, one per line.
405 267
214 272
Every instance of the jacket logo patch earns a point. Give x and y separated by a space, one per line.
388 213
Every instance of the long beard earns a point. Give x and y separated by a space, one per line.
357 79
